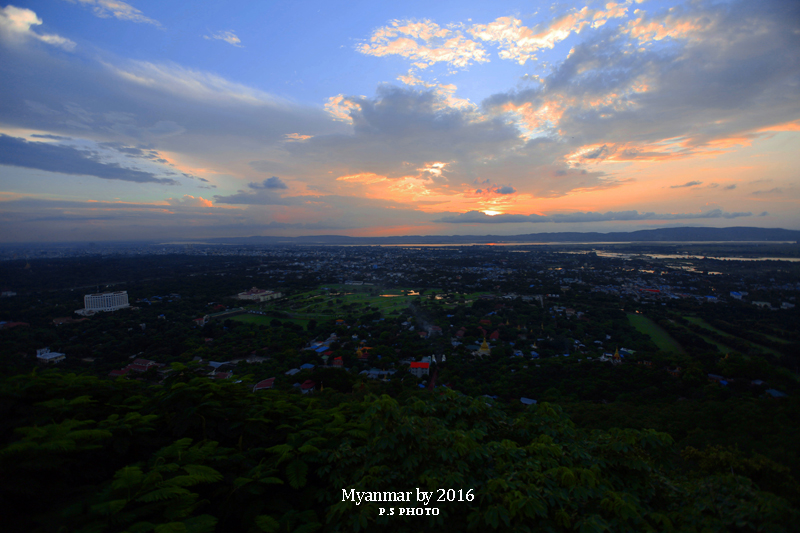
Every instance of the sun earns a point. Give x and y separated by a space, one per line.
492 213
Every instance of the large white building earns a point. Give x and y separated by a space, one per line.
259 295
46 356
104 301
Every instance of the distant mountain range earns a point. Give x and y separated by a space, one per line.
648 235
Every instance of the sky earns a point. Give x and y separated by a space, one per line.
164 120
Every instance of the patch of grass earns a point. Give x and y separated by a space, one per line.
705 325
265 320
660 337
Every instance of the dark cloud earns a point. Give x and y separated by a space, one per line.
260 197
180 110
763 214
479 217
270 183
401 127
472 217
53 137
18 152
268 167
735 73
730 187
687 184
769 192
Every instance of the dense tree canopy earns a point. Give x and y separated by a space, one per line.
84 454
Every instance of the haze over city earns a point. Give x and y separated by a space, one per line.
168 120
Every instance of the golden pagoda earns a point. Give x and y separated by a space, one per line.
484 349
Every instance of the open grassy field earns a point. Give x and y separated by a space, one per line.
705 325
660 337
335 301
265 320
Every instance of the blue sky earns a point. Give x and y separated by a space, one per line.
170 120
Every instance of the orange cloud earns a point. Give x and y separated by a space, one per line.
520 43
364 177
669 25
425 43
296 137
339 107
189 201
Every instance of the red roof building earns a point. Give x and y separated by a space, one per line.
307 386
264 384
419 369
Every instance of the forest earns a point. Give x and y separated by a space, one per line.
86 454
650 444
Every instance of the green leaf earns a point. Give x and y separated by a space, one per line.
296 472
205 473
267 524
165 493
172 527
200 524
109 508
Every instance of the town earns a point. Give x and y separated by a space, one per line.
702 348
434 316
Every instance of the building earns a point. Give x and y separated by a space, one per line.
264 384
138 365
483 350
104 301
46 356
419 369
258 295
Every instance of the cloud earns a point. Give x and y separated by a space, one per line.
227 36
190 83
425 43
687 184
488 189
16 23
520 44
364 177
296 137
270 183
18 152
268 167
770 192
51 137
402 127
189 201
340 107
617 99
259 197
472 217
479 217
116 9
730 187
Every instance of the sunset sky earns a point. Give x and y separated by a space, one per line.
190 120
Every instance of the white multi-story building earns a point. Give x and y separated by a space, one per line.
105 301
259 295
46 356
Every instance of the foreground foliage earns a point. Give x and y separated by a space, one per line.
89 455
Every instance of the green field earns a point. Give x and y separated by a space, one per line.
265 320
337 301
660 337
705 325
